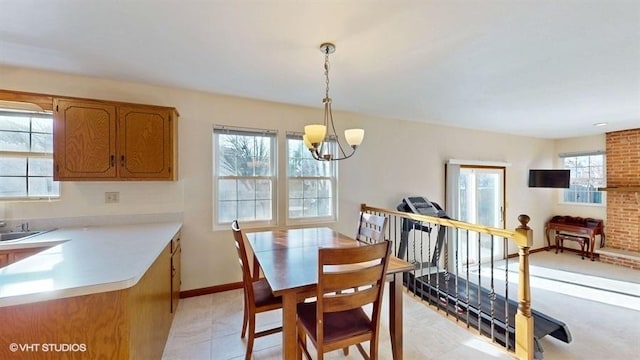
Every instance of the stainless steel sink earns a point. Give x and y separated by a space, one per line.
15 235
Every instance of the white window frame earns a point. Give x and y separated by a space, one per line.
590 179
273 177
29 155
333 180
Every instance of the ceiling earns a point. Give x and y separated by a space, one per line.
541 68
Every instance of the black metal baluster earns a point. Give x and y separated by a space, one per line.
492 293
505 246
467 279
479 289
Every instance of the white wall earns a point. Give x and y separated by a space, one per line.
397 158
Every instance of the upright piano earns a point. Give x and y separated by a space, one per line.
578 226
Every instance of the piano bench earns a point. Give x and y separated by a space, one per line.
582 240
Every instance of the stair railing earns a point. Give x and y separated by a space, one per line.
449 273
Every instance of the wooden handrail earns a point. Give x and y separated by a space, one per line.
445 222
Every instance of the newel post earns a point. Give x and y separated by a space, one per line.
524 320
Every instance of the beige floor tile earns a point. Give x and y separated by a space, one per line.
208 327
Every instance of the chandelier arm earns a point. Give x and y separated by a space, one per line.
345 156
333 128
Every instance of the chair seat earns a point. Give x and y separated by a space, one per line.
264 297
338 325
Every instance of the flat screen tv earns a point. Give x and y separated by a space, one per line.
549 178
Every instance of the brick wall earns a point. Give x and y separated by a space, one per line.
621 261
623 207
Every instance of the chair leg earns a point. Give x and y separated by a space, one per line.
302 345
245 318
252 333
345 351
373 350
364 353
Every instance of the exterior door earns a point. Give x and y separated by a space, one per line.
481 201
475 194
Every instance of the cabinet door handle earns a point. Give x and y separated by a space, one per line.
122 160
113 160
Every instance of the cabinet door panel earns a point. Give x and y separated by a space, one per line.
4 259
84 139
175 278
145 142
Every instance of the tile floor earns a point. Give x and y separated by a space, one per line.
599 302
208 327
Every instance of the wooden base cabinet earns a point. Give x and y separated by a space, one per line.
101 140
176 253
8 257
131 323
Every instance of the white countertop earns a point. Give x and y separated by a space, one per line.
83 261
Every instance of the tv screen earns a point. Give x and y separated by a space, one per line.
549 178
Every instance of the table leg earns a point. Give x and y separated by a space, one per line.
591 245
289 336
395 315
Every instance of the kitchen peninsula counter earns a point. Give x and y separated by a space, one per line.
109 288
88 260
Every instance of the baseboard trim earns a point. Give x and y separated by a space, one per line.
210 290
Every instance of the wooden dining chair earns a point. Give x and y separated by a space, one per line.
337 319
258 297
371 228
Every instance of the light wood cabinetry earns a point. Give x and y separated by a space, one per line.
4 259
100 140
8 257
131 323
84 140
176 253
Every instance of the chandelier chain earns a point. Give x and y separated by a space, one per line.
326 73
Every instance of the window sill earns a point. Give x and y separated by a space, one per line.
582 204
621 188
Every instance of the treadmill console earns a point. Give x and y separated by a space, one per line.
420 205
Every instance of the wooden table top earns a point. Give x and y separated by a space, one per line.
289 257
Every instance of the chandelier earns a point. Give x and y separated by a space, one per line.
315 135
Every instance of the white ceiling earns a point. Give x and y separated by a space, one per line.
543 68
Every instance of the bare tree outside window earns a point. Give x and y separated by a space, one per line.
245 176
587 175
311 183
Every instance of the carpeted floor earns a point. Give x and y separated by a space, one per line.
600 303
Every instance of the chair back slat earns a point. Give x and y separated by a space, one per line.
334 281
348 301
371 228
350 255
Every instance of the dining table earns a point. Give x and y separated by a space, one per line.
288 259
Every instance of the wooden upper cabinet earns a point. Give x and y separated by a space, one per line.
99 140
145 142
84 139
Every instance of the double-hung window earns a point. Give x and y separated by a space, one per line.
311 184
26 156
587 175
244 176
